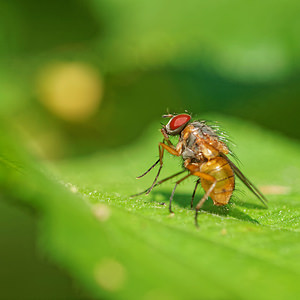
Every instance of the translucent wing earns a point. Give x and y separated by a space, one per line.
246 181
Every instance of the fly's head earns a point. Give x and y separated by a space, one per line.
176 124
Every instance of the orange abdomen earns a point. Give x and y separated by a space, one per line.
220 169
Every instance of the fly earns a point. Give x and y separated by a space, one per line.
204 155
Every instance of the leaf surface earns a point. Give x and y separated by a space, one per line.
121 247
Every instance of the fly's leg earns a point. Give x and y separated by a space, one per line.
194 169
172 148
172 195
161 147
206 195
149 169
161 154
159 182
195 189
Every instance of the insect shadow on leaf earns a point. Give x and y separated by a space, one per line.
184 200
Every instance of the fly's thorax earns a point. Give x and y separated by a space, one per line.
208 151
203 129
189 147
205 133
199 141
187 153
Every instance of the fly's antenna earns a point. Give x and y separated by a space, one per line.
188 112
168 116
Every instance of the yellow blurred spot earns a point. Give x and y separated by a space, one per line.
72 91
275 189
223 231
102 212
110 275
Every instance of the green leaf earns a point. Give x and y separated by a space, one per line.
123 248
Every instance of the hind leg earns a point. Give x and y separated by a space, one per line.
173 192
204 198
194 193
193 168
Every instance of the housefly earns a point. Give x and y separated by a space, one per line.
205 154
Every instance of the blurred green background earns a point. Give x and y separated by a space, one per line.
127 62
77 77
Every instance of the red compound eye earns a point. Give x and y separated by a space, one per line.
179 121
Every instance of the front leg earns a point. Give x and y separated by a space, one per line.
170 147
166 138
161 147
